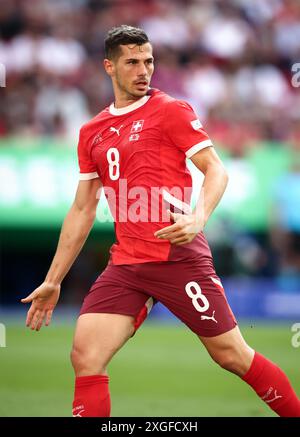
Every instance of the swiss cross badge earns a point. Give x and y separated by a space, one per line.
137 126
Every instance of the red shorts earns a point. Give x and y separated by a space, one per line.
195 297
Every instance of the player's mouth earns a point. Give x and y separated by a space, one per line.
141 84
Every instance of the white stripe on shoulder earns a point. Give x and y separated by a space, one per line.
194 149
88 176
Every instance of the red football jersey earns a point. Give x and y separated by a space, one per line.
139 152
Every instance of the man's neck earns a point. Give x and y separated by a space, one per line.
127 101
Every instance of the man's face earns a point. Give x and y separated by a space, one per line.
132 70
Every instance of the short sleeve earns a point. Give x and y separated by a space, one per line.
184 129
86 167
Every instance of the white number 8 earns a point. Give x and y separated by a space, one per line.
113 157
197 296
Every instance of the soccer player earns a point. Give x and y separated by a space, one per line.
136 150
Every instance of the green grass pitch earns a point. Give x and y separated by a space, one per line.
162 371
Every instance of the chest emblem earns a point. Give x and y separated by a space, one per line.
137 126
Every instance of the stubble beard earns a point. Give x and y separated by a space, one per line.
130 93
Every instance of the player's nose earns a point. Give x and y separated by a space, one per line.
142 71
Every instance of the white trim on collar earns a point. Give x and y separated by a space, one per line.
129 108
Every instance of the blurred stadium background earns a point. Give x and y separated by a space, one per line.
232 60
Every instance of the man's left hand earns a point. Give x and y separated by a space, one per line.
183 230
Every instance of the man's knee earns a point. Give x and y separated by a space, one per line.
97 338
233 359
88 362
227 359
230 351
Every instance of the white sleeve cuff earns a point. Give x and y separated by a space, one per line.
88 176
194 149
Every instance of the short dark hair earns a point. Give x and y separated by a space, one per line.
123 35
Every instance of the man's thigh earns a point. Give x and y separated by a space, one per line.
191 292
118 291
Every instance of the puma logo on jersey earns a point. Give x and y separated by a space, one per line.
275 396
77 413
210 318
115 130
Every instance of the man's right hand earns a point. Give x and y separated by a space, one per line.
43 301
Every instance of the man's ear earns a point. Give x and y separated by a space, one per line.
109 67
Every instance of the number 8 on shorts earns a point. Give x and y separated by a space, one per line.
190 289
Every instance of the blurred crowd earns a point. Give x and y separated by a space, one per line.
231 59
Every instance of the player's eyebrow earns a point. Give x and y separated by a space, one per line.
151 58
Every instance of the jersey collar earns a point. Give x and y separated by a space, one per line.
129 108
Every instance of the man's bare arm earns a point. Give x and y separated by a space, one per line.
214 184
75 230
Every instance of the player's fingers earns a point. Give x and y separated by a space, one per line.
29 317
35 319
180 240
167 229
40 321
173 235
163 232
29 298
48 317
